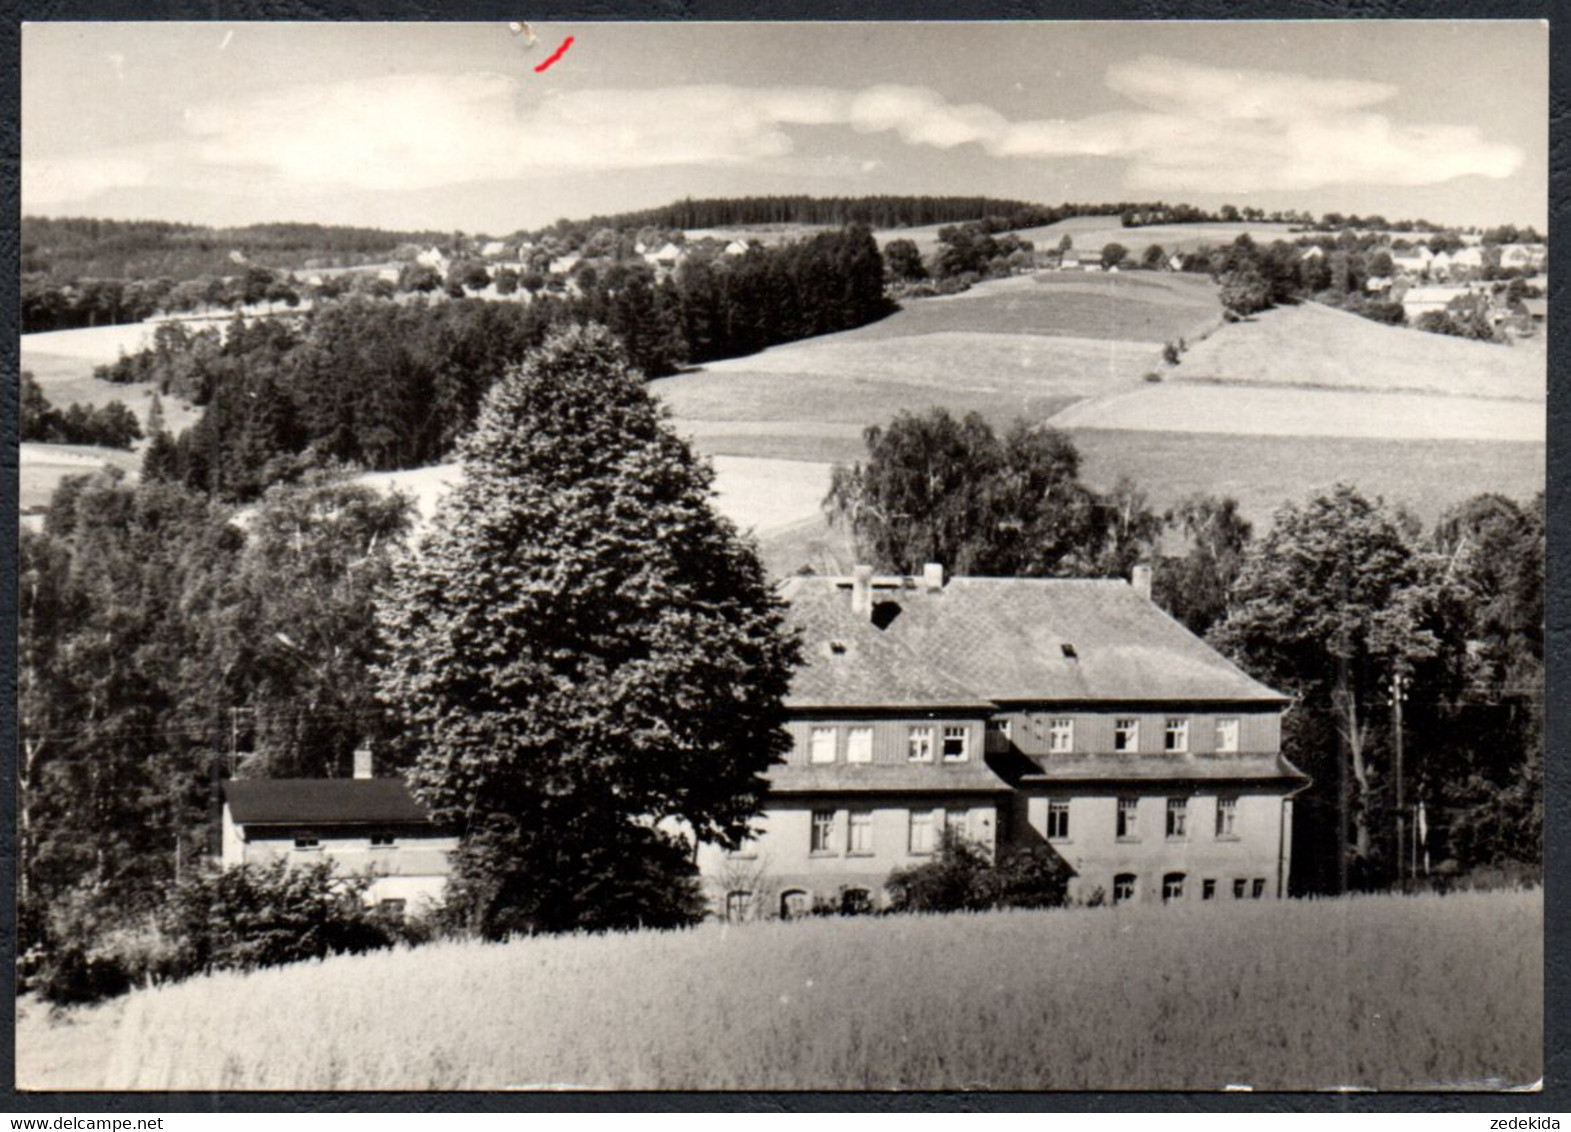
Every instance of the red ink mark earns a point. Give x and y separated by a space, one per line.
555 55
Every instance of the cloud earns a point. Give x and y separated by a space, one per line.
1187 127
421 131
1206 129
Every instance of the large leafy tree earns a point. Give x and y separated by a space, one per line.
1194 587
580 648
1494 548
1331 606
938 489
297 634
115 732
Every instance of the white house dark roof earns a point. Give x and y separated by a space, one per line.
995 640
323 801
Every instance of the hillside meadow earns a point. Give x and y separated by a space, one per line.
1381 992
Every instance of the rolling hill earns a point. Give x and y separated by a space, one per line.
1266 410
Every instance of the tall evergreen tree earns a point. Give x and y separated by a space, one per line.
582 651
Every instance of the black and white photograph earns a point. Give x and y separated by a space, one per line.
782 556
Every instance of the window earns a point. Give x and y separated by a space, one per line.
1061 736
822 748
308 843
1208 889
1058 819
1172 887
1258 889
392 909
383 841
957 743
919 746
957 824
1128 811
1227 817
856 902
921 831
1177 818
1123 887
794 903
823 831
1227 735
1003 728
1126 734
861 835
1175 736
859 745
1238 889
737 905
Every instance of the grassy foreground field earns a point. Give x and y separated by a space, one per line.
1377 992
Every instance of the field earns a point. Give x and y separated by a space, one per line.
62 362
43 466
1006 348
762 495
1349 352
1266 410
1381 992
1092 233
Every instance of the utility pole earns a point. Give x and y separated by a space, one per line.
1398 694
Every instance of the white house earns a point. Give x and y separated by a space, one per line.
369 826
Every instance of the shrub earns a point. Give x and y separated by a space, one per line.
597 877
1170 354
1029 876
955 880
962 878
1153 376
88 951
268 915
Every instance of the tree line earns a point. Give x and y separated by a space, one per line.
1344 603
70 250
112 425
874 211
386 385
574 736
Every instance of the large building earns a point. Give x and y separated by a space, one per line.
1070 713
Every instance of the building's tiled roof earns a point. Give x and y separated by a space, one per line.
322 801
1149 768
1003 639
873 778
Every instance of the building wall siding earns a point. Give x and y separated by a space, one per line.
1098 855
891 737
1258 731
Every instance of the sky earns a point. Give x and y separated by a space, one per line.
449 126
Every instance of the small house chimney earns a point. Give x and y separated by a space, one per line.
933 577
1140 578
862 590
364 767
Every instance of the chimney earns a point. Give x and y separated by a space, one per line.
1140 578
933 577
862 590
363 765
